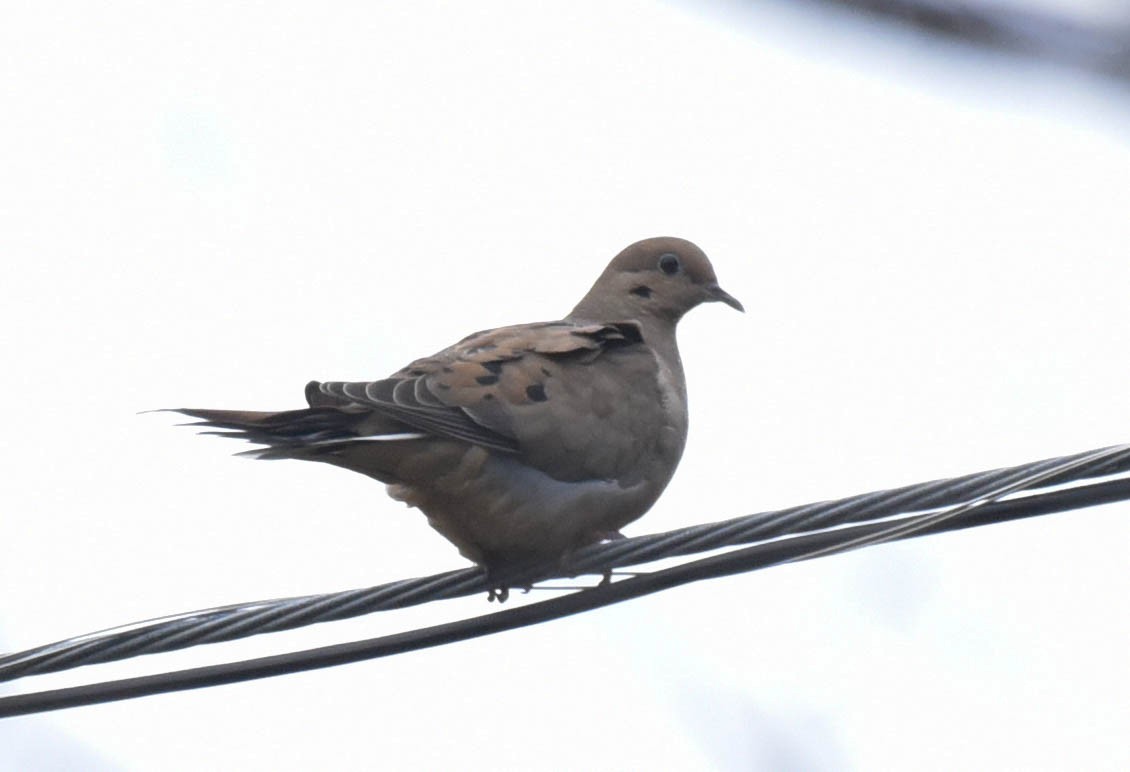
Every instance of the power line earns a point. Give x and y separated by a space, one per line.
788 535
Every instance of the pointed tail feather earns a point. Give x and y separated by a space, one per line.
356 440
287 427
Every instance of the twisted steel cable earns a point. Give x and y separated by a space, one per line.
969 513
970 491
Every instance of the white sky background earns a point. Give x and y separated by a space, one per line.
205 206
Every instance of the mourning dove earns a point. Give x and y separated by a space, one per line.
521 443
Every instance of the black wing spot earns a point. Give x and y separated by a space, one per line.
536 393
613 335
643 291
493 367
488 396
487 380
630 331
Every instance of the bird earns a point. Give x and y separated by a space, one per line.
520 444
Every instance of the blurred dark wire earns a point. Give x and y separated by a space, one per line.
1068 37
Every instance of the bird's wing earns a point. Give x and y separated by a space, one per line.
515 389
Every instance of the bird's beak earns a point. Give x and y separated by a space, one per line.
717 293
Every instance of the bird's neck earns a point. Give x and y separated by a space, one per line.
658 331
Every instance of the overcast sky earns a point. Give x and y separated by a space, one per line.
209 206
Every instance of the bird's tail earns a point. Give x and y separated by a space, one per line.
352 439
285 434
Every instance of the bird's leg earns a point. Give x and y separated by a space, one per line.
498 588
502 576
606 577
565 562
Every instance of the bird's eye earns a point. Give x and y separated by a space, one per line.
669 263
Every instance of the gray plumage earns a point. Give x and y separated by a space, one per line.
521 443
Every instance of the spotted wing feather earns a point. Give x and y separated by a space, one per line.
473 391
